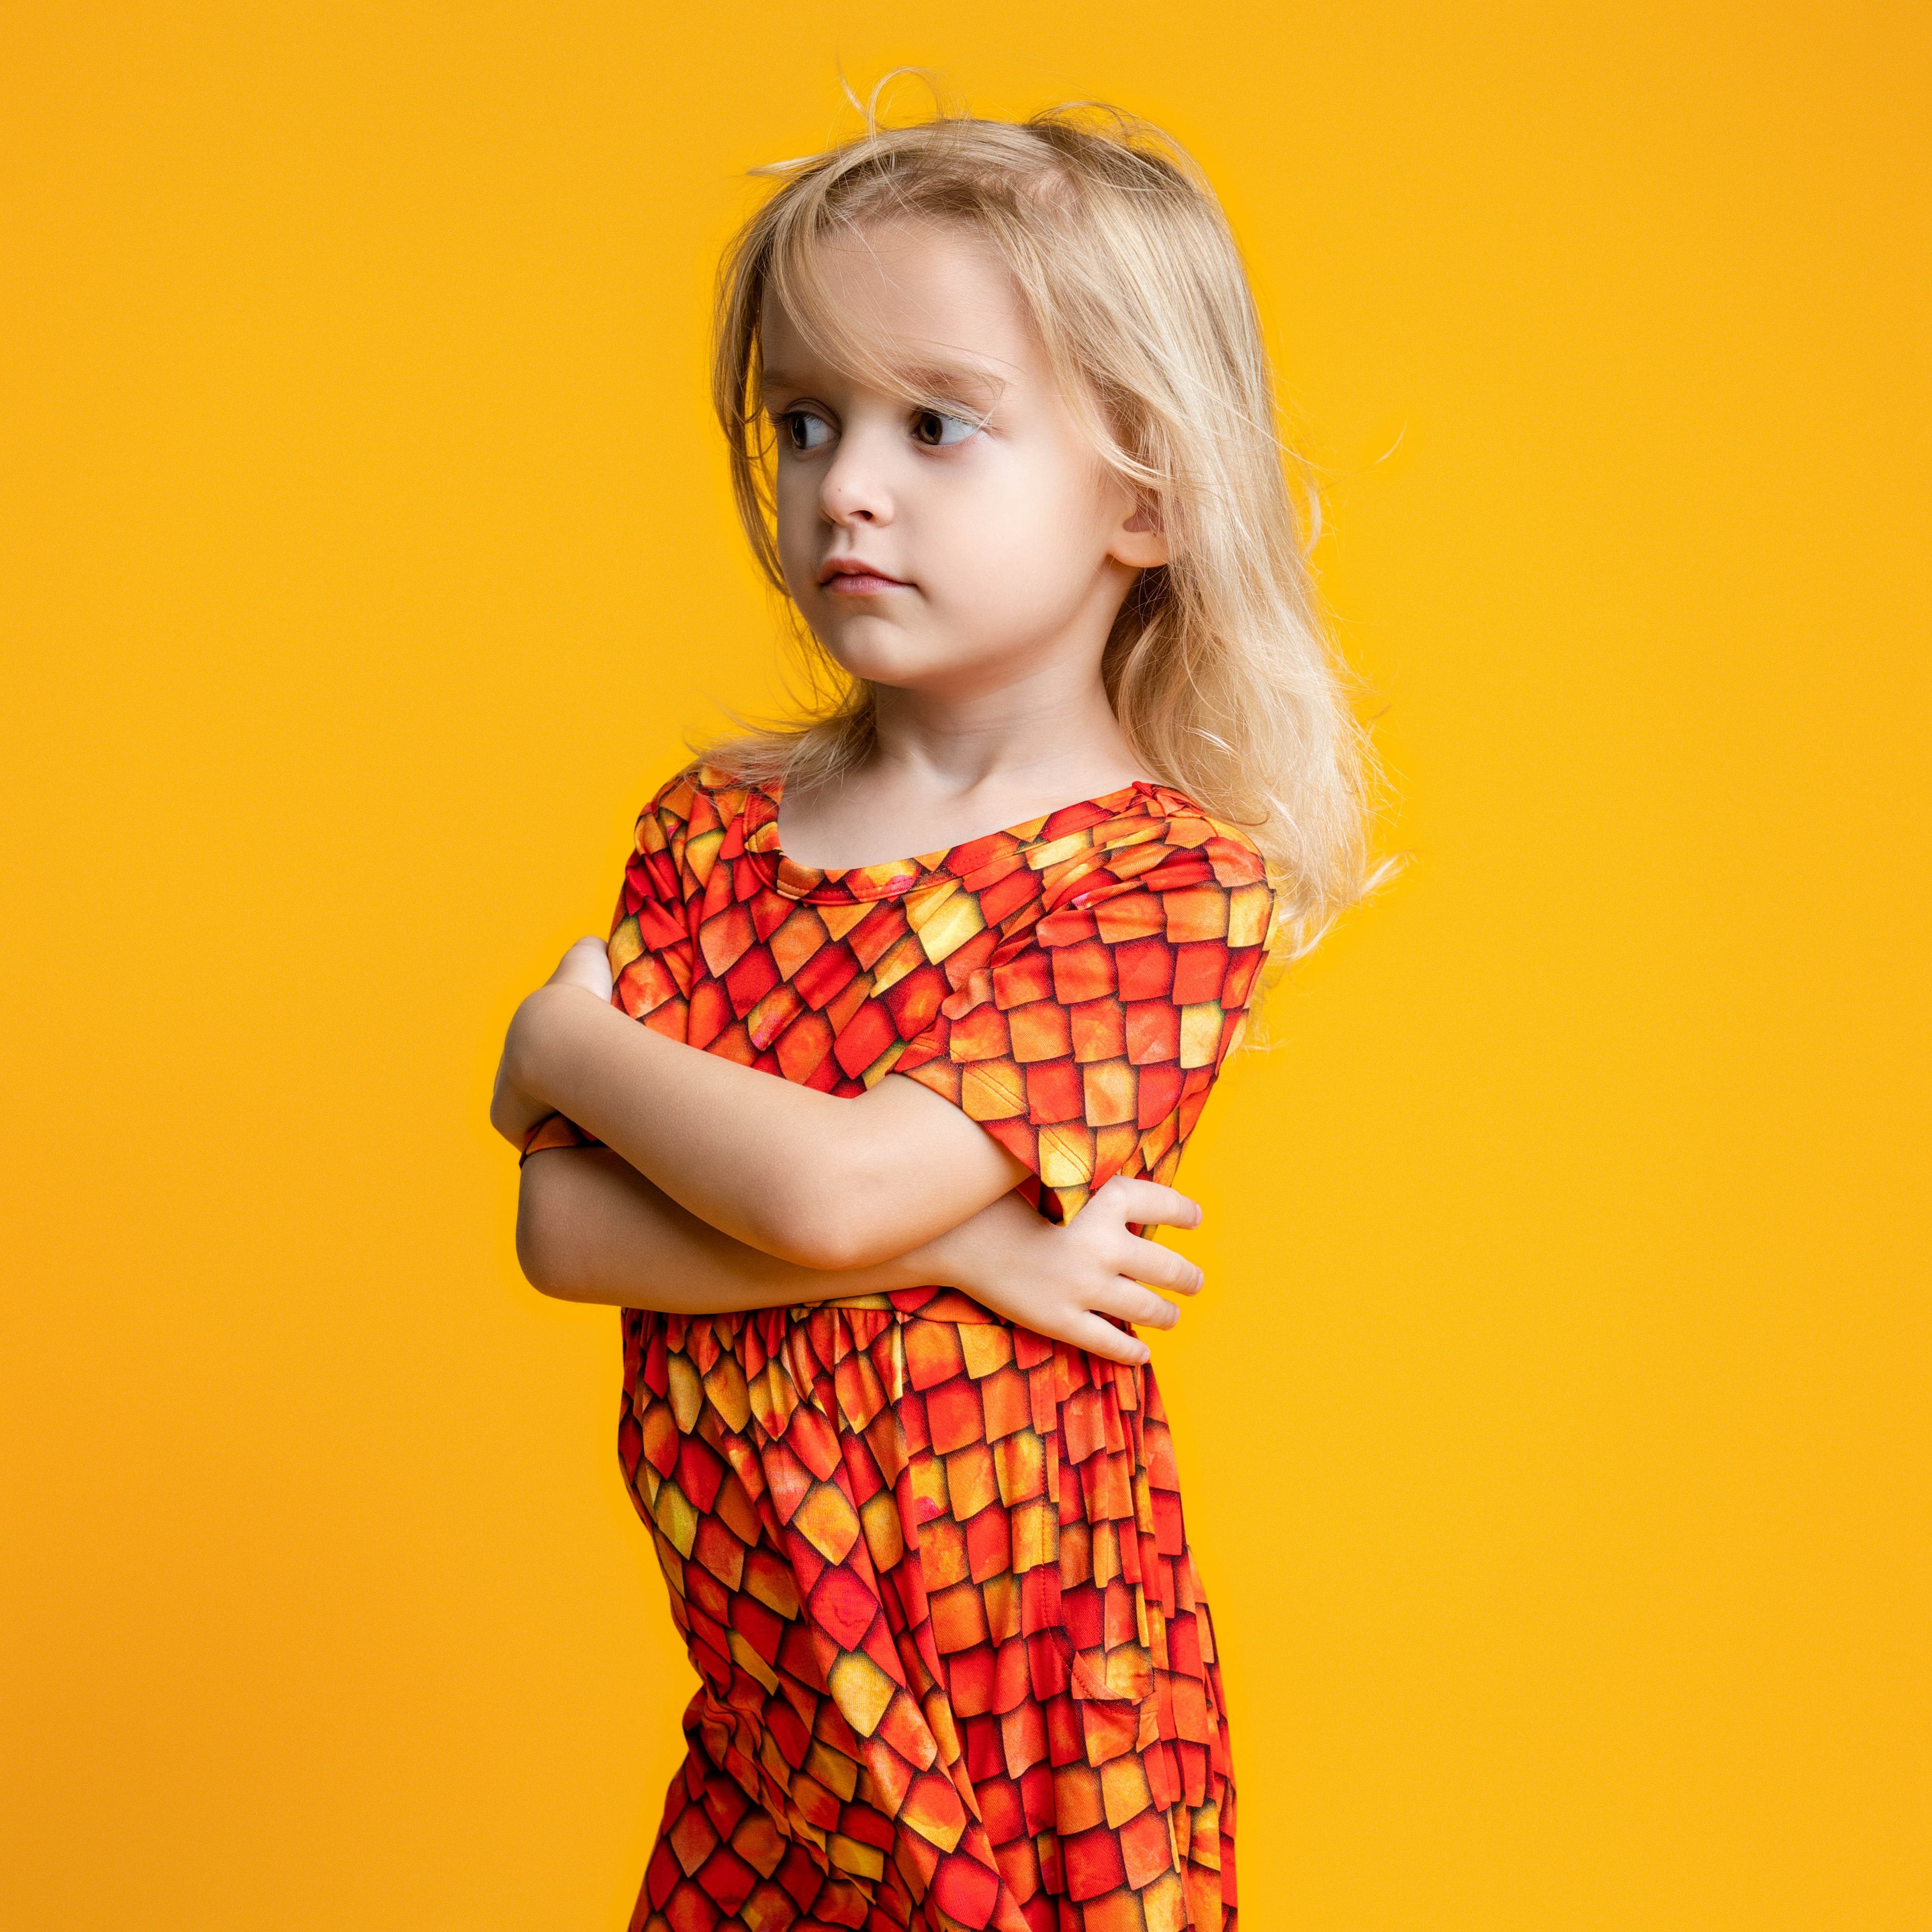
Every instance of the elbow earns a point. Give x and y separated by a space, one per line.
831 1221
830 1248
536 1257
544 1249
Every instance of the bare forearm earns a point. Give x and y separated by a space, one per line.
799 1175
590 1228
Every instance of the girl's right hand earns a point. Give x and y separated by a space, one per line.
1063 1282
587 964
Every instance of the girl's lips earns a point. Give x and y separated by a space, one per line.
861 583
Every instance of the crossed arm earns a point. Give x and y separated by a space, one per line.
720 1188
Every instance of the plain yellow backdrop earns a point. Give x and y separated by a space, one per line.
1554 1429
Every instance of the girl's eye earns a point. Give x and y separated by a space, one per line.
938 430
805 431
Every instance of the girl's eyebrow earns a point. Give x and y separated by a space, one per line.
962 382
959 381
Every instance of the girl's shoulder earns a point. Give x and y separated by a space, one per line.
1160 813
694 818
696 798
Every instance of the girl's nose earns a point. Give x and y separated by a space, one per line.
852 490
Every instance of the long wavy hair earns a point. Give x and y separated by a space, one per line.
1220 667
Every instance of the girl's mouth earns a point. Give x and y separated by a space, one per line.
847 576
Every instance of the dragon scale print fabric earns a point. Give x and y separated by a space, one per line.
956 1669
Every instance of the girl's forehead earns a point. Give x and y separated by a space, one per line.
888 248
910 299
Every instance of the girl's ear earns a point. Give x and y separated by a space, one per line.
1140 542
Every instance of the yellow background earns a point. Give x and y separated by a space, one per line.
1554 1429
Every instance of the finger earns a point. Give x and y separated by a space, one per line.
1160 1267
1083 1328
1102 1338
1131 1302
1149 1204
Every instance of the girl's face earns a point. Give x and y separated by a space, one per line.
952 548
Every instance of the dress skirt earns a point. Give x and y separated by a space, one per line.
956 1666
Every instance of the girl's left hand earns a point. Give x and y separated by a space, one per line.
1072 1283
587 964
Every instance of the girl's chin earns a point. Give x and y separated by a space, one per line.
883 653
867 641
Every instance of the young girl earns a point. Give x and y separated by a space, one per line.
1001 428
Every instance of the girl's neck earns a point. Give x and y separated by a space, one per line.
1026 737
945 770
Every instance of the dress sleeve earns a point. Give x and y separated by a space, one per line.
1088 1043
650 945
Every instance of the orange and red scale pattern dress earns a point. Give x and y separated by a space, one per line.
956 1669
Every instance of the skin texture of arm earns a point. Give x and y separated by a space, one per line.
823 1182
590 1228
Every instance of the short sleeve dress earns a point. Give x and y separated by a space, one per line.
956 1666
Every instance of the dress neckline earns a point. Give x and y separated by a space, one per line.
890 878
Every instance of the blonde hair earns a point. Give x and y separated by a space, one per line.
1220 667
